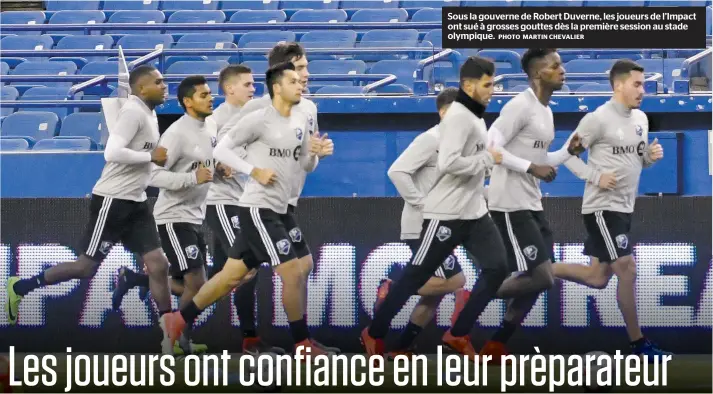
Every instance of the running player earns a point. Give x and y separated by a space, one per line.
523 132
245 295
119 211
279 146
413 174
616 135
455 213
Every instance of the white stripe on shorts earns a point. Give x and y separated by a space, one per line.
426 243
99 226
599 215
225 223
519 257
177 250
265 236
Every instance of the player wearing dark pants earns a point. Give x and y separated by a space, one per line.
414 173
616 136
276 141
118 208
455 213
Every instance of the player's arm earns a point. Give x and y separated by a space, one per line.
653 151
308 152
588 131
454 134
408 163
163 177
507 126
117 151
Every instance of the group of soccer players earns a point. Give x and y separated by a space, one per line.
241 168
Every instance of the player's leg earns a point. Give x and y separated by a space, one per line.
595 275
126 279
107 217
438 239
483 241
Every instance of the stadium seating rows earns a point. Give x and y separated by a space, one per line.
44 130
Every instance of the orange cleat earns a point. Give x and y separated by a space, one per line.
382 292
310 349
373 346
462 296
392 354
174 325
461 345
496 350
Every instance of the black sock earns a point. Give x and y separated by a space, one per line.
133 279
638 342
483 292
249 333
161 313
244 299
299 330
408 336
413 278
190 312
505 332
24 286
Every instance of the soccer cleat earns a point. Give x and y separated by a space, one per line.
373 346
328 349
13 300
193 348
462 296
311 349
650 349
121 287
173 325
461 345
255 347
381 292
496 350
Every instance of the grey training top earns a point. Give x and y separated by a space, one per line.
226 191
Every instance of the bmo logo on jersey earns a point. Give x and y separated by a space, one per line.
541 145
148 145
626 149
286 153
206 163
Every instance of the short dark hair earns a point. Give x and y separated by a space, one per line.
284 52
139 72
475 67
530 57
232 71
446 97
274 75
623 67
187 87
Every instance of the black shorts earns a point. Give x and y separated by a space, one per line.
113 220
449 268
224 223
265 236
184 246
480 237
527 236
607 235
296 235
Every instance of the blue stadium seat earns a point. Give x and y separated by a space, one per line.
198 16
328 39
614 3
133 5
335 89
193 68
435 37
593 88
309 4
369 4
210 36
394 88
258 67
669 68
709 20
440 74
138 16
333 16
376 15
589 66
65 5
7 93
259 16
553 3
75 144
100 68
427 15
83 124
263 40
249 4
355 67
402 69
13 144
200 45
46 68
492 3
27 43
35 125
189 5
143 41
76 17
44 93
87 42
405 38
506 62
23 18
4 68
430 4
676 3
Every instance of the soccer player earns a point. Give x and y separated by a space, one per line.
616 135
119 211
455 213
278 145
245 294
523 132
413 174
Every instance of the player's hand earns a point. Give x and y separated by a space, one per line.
655 150
497 155
315 144
203 174
159 156
575 147
223 170
327 146
607 181
264 176
545 173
